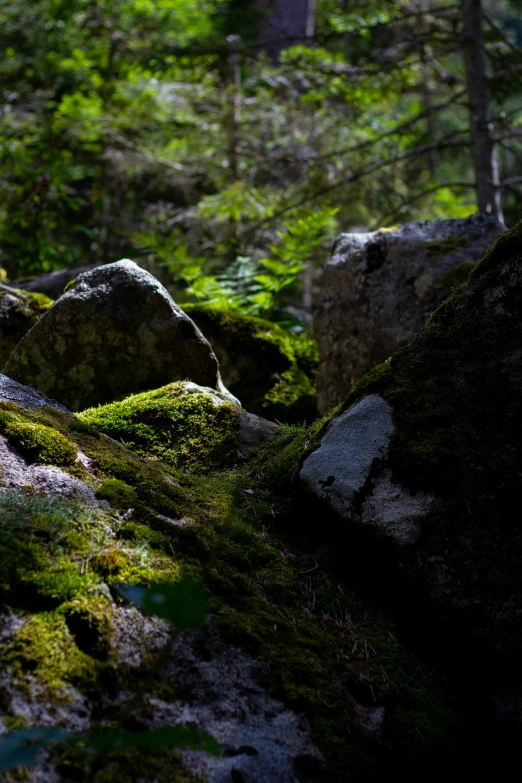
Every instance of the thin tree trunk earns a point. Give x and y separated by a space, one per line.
233 128
234 104
481 126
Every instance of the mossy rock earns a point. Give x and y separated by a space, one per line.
19 311
115 332
271 370
184 425
429 508
302 656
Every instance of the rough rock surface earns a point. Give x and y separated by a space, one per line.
24 396
19 311
261 740
379 289
16 473
437 512
116 331
271 370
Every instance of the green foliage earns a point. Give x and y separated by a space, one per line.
115 134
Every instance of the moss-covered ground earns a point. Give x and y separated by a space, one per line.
269 595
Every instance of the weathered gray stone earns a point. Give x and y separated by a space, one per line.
24 396
116 331
259 738
16 473
338 469
380 288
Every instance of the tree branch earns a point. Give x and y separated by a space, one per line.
358 175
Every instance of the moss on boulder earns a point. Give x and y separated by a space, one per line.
271 370
116 331
431 513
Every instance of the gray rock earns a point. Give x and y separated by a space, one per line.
260 738
24 396
338 469
116 331
16 473
379 289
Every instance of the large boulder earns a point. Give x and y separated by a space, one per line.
271 369
420 475
19 311
379 289
115 331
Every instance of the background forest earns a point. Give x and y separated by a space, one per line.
223 144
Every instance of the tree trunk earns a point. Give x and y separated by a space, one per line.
481 125
287 23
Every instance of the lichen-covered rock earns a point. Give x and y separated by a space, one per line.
421 473
296 679
271 370
19 311
116 331
379 289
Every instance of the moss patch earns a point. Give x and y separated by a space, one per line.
185 430
272 371
445 247
39 443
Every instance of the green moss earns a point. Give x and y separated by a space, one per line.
41 444
57 560
271 370
156 765
185 430
40 302
68 285
44 649
446 247
118 493
457 276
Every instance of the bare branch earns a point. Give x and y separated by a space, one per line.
361 174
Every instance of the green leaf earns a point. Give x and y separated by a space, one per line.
183 603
